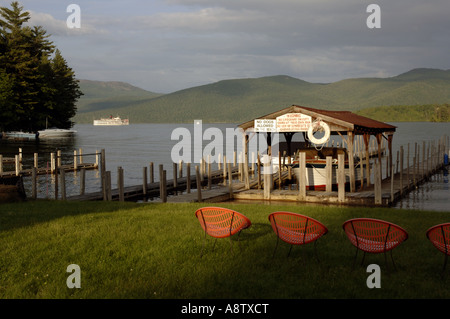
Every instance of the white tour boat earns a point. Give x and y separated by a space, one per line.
111 121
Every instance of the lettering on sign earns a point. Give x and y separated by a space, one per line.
293 122
265 125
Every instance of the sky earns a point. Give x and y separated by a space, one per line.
168 45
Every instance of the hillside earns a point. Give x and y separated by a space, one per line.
411 113
239 100
99 96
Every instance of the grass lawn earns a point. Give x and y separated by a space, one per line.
147 250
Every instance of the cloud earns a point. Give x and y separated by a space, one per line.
166 45
57 27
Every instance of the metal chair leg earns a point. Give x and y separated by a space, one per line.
445 263
204 245
290 250
315 251
276 246
356 256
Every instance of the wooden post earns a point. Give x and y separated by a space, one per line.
396 165
36 162
377 182
351 163
103 160
63 183
58 158
246 176
107 194
20 158
164 186
75 160
230 180
341 177
120 185
1 164
379 138
34 182
240 167
152 173
401 170
407 167
224 170
52 162
329 174
259 171
361 162
81 156
253 164
103 170
188 178
302 179
209 172
366 142
144 181
267 176
202 168
56 181
279 170
17 161
180 169
392 184
423 160
175 179
82 180
161 190
199 184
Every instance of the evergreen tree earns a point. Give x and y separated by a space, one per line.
33 87
66 92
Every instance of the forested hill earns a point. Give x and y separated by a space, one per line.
238 100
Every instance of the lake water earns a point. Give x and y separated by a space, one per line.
134 146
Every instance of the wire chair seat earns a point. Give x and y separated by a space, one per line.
221 222
439 236
296 229
373 235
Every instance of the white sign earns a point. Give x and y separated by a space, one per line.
265 125
293 122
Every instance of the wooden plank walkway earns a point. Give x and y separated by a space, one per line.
136 192
391 191
44 171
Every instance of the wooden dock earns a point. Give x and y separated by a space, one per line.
55 164
241 183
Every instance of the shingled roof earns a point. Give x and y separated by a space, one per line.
338 120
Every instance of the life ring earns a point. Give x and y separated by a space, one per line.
324 126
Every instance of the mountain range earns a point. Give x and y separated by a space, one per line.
240 100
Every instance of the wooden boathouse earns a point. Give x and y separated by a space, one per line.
305 121
361 183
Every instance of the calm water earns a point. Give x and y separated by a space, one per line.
135 146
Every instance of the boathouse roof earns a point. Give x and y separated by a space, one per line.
339 121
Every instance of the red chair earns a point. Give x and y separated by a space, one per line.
296 229
439 235
374 236
221 222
